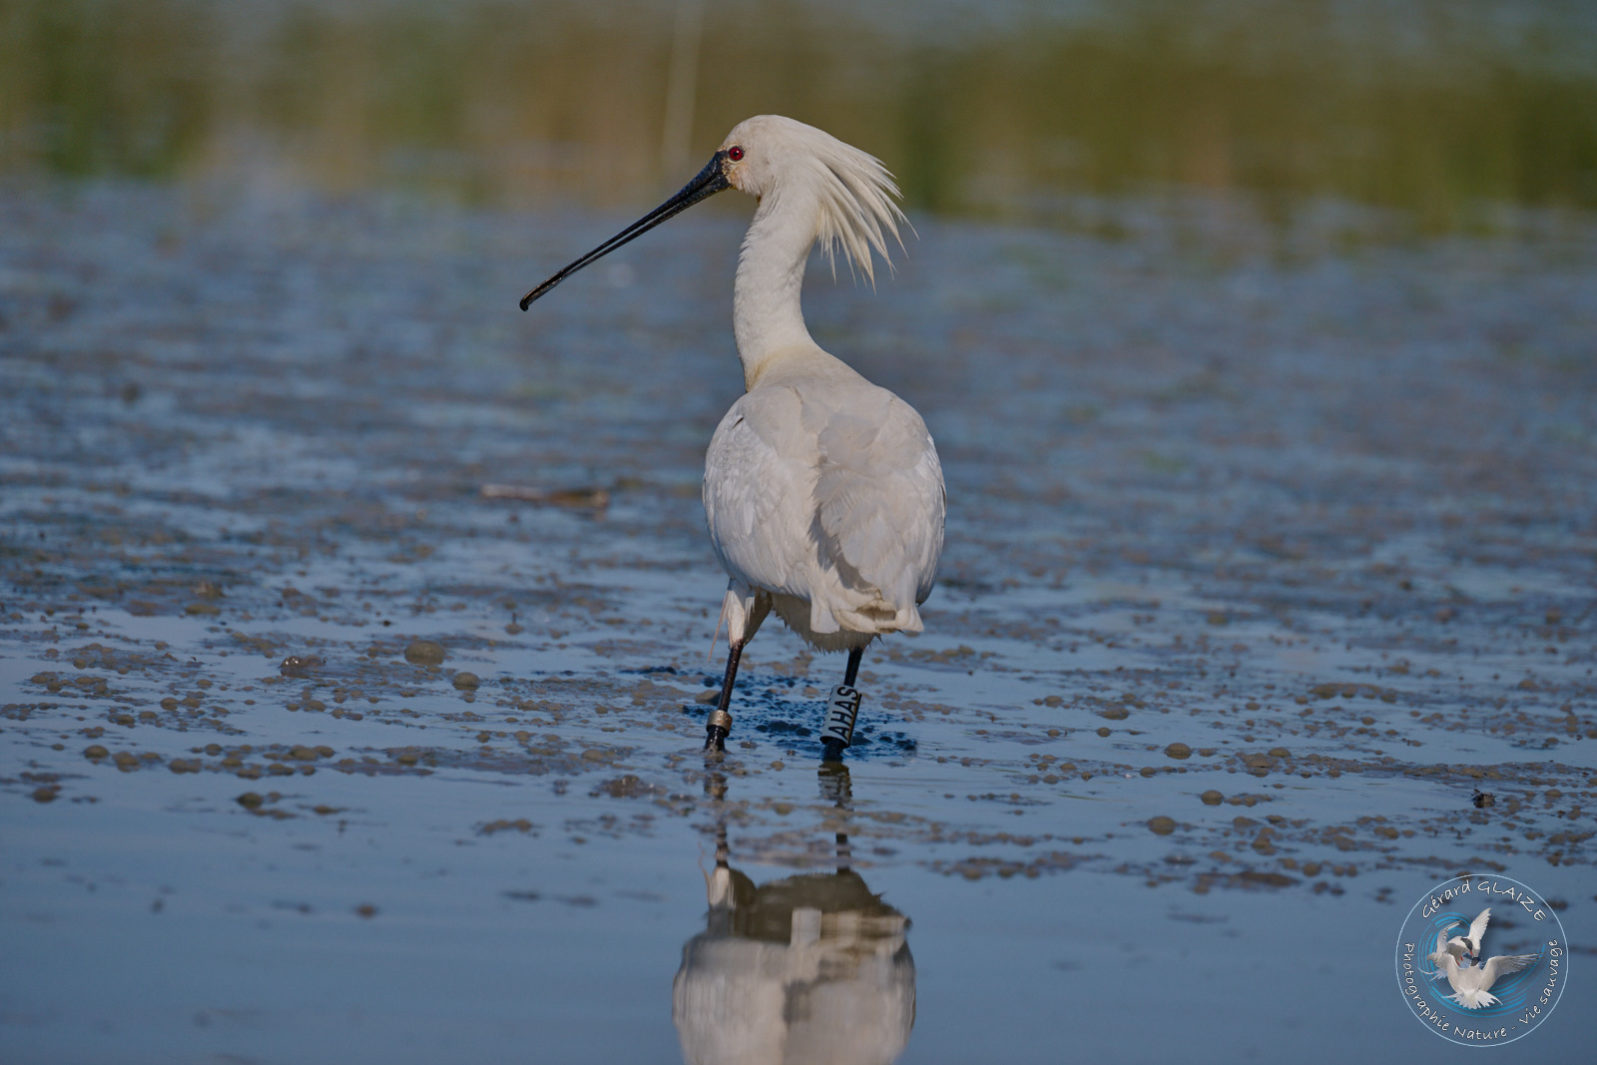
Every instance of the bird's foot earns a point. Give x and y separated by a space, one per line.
717 730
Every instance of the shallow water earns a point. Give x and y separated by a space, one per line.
357 632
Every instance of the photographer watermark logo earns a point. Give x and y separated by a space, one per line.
1482 959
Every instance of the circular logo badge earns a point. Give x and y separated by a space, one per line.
1482 959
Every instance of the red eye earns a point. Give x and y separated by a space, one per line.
734 153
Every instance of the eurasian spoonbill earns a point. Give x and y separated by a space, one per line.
823 491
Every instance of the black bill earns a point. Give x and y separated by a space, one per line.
708 182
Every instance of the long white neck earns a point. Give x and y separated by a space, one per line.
767 318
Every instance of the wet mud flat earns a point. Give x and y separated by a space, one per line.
357 637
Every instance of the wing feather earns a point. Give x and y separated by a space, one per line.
830 492
754 486
1504 964
1441 941
879 499
1477 927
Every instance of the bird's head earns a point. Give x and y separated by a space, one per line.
851 195
766 153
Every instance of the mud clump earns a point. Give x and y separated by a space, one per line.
300 665
424 653
1261 764
626 786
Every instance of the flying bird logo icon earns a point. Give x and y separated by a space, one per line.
1455 986
1455 959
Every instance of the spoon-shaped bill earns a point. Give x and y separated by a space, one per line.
708 182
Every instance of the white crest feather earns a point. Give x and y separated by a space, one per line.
854 196
858 205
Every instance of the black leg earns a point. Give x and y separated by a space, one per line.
842 712
719 725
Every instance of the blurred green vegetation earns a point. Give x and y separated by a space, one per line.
1000 109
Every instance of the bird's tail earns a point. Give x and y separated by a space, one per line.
872 553
876 615
1474 999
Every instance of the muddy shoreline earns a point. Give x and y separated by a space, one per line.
337 592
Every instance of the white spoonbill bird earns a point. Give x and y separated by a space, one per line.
823 491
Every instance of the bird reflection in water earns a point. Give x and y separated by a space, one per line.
812 968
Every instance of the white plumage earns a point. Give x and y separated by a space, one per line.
825 501
1470 945
1472 983
823 491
